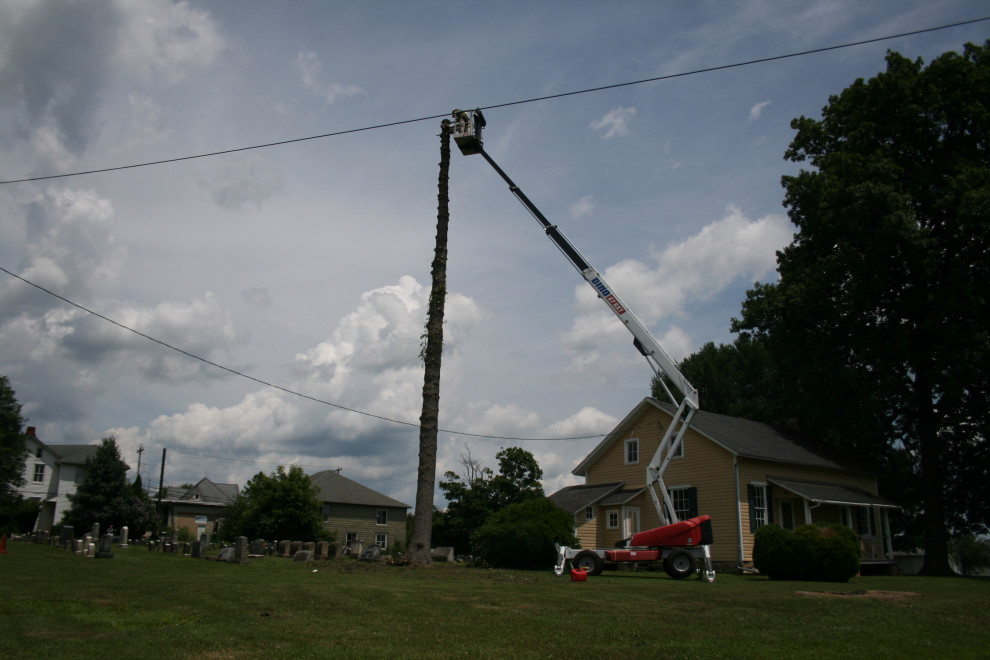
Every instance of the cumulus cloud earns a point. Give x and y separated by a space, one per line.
757 110
695 269
58 60
310 69
614 123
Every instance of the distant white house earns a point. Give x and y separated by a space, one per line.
52 473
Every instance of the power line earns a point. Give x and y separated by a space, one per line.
273 385
722 67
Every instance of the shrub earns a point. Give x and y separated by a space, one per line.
523 535
823 551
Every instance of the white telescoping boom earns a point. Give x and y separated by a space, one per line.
467 127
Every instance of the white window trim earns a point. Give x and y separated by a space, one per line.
625 451
764 508
679 488
608 519
39 473
383 543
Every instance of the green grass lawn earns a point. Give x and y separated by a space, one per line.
139 604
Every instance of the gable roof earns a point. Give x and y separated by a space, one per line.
206 491
334 488
72 454
741 437
573 499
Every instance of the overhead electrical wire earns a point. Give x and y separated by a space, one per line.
273 385
721 67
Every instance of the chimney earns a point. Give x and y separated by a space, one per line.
30 432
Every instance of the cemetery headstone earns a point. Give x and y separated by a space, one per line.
106 547
443 554
257 548
65 537
283 548
336 550
322 550
95 531
295 547
226 554
302 556
371 553
123 536
241 550
203 544
309 545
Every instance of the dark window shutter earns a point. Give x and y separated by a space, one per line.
692 498
766 489
751 493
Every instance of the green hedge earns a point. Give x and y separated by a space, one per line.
822 552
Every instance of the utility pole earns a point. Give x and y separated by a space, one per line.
419 551
140 450
158 508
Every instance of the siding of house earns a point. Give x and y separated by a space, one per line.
754 471
705 466
588 531
362 520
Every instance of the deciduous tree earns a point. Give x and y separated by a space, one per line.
277 506
880 314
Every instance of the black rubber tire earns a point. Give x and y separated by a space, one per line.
589 561
679 565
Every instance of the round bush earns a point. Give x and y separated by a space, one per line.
822 552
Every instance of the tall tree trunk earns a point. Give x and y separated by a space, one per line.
933 480
419 550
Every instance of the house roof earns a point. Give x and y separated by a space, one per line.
573 499
821 492
205 492
341 490
72 454
741 437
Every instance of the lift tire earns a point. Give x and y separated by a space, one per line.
588 561
679 565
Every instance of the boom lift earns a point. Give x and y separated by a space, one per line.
677 543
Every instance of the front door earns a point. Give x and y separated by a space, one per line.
630 522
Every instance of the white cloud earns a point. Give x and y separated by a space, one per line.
684 273
310 67
757 110
582 207
615 122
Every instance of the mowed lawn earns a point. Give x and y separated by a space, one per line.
139 604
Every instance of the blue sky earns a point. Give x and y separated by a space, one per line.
307 265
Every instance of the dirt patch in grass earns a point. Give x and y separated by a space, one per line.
862 593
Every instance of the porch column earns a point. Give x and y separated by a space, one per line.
888 545
807 512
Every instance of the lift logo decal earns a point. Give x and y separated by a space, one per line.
607 295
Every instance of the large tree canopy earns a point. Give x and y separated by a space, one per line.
477 494
879 319
282 505
12 450
106 497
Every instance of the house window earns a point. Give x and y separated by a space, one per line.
685 501
381 517
612 519
39 472
759 506
351 538
865 521
381 540
326 511
589 513
632 451
38 453
787 515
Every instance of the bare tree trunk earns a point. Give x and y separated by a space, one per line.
419 550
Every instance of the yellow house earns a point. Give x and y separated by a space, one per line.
742 473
